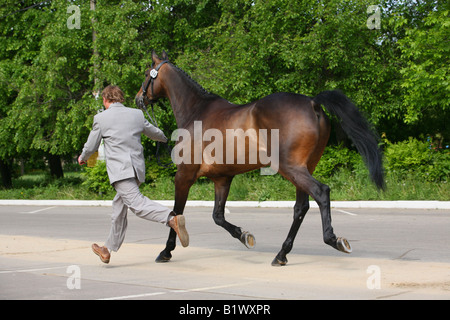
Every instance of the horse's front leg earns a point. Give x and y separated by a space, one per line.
222 188
182 186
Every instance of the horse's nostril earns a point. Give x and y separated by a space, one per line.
139 101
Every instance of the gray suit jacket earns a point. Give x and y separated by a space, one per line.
121 129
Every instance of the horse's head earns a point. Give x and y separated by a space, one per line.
151 88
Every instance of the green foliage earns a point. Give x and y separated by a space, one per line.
96 178
402 159
294 46
242 50
335 158
416 157
48 80
155 170
426 75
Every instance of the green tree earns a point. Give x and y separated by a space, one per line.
242 50
20 34
426 76
260 47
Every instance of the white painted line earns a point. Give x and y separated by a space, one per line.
31 270
433 204
40 210
62 203
213 288
346 212
134 296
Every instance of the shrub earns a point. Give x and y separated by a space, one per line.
335 158
416 157
96 178
155 169
439 169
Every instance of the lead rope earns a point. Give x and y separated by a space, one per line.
158 143
152 119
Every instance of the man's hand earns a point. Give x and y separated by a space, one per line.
81 162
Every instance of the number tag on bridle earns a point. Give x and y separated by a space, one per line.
153 73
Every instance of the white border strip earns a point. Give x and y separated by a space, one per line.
250 204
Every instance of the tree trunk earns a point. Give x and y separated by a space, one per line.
5 170
54 162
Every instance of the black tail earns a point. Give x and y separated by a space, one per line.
358 130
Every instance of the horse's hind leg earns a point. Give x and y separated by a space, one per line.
222 188
300 209
303 180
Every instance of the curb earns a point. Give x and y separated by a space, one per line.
252 204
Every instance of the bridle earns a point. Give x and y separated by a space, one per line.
144 101
149 82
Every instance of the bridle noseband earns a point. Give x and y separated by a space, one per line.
145 84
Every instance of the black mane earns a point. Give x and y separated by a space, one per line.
195 86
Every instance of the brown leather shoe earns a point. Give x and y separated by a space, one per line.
102 252
178 223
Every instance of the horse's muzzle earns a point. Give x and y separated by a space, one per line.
140 101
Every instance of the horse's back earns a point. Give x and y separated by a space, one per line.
285 110
303 126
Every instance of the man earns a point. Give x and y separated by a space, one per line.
121 129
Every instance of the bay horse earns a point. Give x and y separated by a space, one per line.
303 131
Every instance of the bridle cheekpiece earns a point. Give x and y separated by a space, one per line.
144 100
149 82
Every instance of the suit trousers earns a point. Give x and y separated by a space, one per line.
129 197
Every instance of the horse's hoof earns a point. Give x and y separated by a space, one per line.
343 245
163 258
279 263
248 239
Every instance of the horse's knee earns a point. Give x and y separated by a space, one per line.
219 218
301 209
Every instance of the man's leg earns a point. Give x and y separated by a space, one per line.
119 224
117 232
142 206
150 210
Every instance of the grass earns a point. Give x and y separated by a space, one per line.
345 185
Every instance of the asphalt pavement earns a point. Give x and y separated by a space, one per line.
397 254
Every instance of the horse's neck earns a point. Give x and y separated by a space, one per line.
184 99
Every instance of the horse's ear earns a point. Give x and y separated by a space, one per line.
164 55
155 57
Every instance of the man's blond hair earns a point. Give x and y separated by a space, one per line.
113 94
